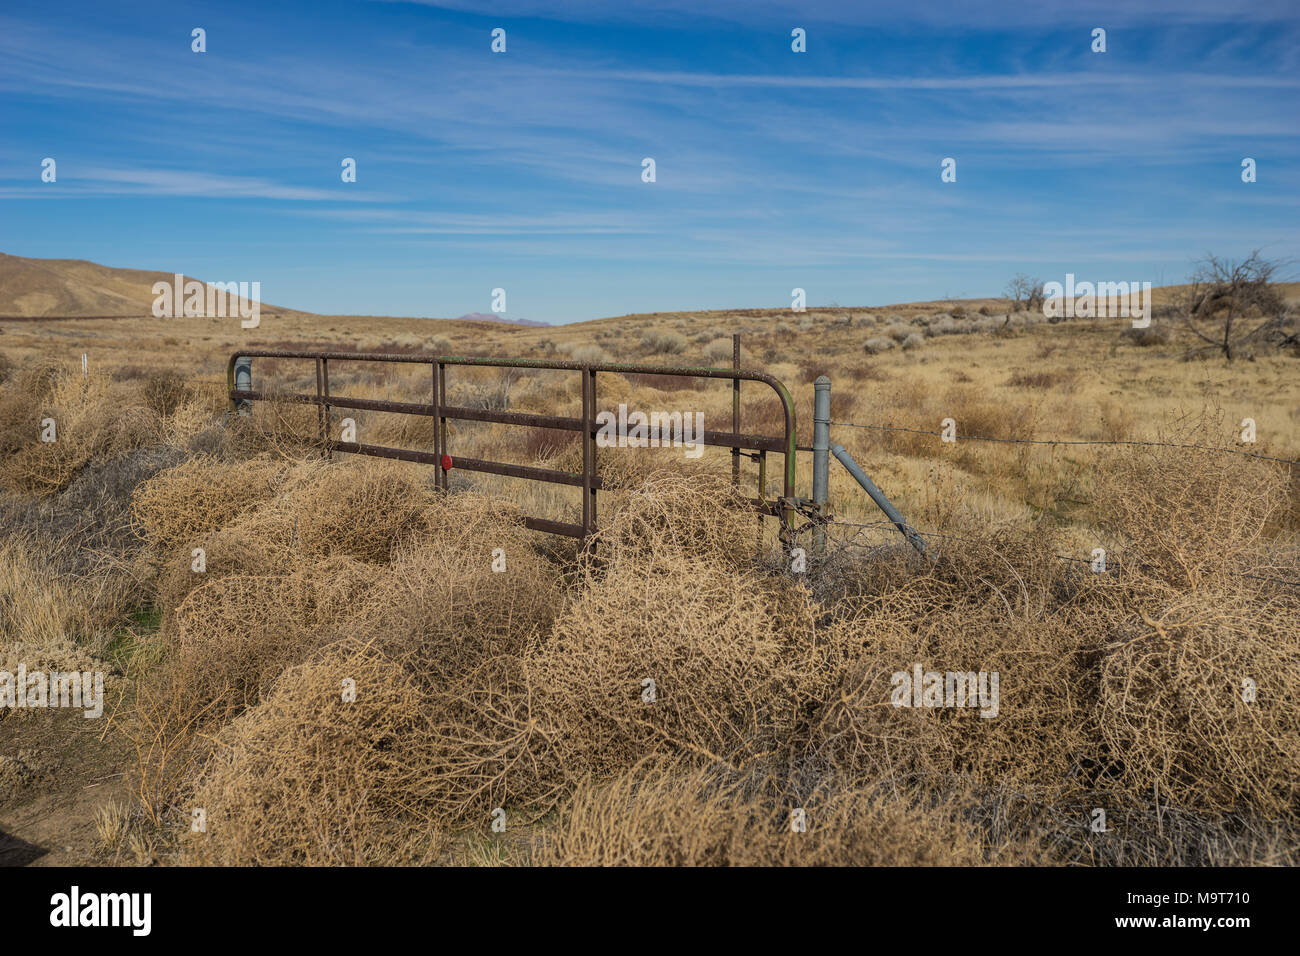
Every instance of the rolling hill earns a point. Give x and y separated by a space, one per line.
76 287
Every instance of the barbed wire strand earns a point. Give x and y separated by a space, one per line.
953 537
1073 441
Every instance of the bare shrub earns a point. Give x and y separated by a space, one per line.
1174 709
199 496
1233 306
164 392
1025 293
307 778
363 513
663 341
719 350
588 354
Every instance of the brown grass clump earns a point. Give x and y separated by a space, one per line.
1200 704
699 517
363 510
87 432
231 637
94 418
1186 518
471 587
263 541
20 416
494 746
670 816
307 778
733 661
1036 737
179 506
40 608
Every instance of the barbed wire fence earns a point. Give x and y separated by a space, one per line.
821 521
1076 441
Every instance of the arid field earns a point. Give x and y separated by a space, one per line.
353 678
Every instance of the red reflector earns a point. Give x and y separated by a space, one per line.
446 462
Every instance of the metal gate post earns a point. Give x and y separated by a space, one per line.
244 383
821 457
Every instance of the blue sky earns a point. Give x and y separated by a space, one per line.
522 170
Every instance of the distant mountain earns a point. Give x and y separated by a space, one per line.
40 287
493 317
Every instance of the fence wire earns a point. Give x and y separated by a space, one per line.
1075 441
861 527
842 546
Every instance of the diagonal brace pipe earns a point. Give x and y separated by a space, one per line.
879 498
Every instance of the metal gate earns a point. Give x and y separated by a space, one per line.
241 391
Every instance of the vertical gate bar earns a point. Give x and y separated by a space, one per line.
735 411
325 393
441 421
821 457
588 451
437 432
762 490
594 517
320 406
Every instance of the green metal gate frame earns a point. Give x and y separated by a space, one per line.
783 508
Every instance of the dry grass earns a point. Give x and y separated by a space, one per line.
523 688
666 815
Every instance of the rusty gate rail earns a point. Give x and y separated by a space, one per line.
588 480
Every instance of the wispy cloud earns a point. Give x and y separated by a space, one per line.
477 170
